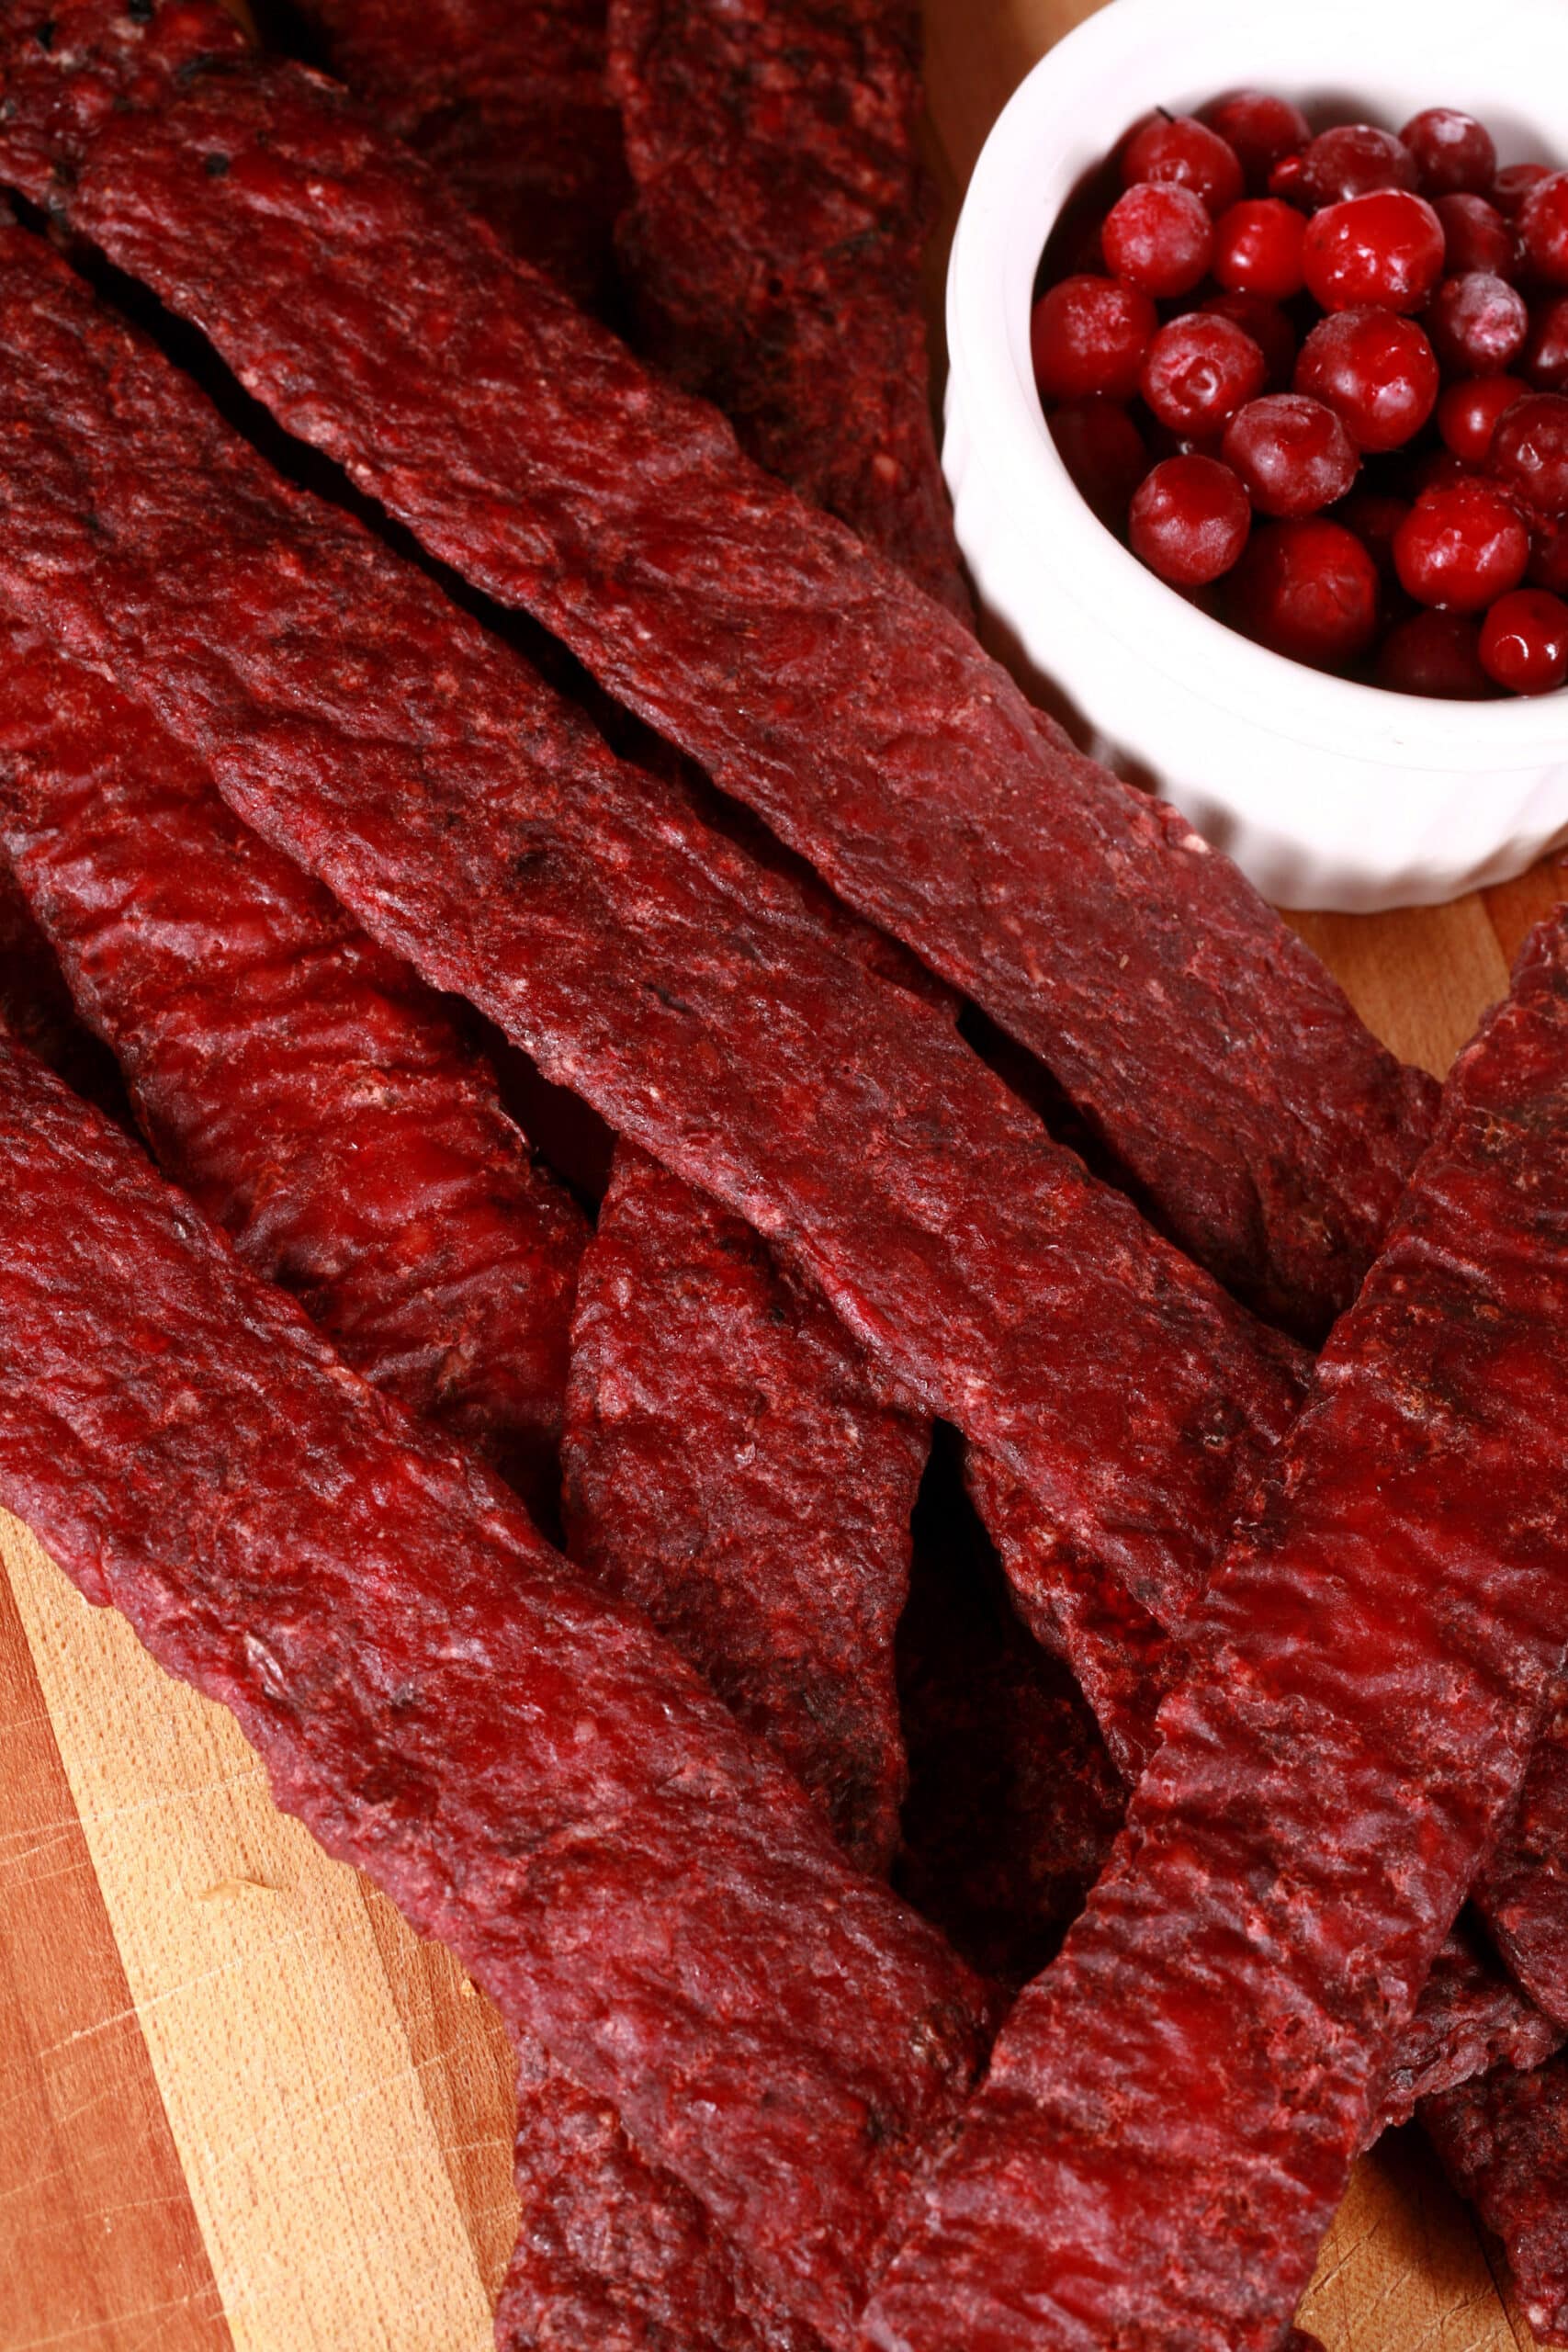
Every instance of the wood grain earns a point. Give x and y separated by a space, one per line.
240 2102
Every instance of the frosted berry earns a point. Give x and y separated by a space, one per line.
1103 451
1089 336
1353 159
1159 238
1475 235
1513 185
1292 454
1189 520
1544 228
1180 149
1198 371
1376 371
1257 249
1259 129
1545 352
1467 413
1461 547
1529 452
1455 155
1478 324
1436 654
1269 328
1309 590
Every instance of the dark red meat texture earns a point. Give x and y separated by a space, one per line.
775 247
613 2254
301 1084
1469 2018
1524 1888
526 1768
729 1469
1214 1058
1173 2108
1503 2143
1013 1801
36 1007
703 1004
506 100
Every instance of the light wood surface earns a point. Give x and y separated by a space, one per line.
240 2102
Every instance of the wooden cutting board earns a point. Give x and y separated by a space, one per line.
240 2103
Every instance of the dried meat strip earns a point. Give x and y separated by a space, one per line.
1468 2019
1172 2111
1216 1060
703 1003
36 1007
506 99
1503 2143
1524 1888
728 1468
528 1771
775 246
303 1085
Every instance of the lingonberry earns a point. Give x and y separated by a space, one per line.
1292 454
1524 642
1549 557
1514 183
1434 653
1546 354
1382 250
1089 336
1181 149
1308 589
1374 515
1455 155
1376 371
1159 238
1467 413
1257 248
1269 328
1461 547
1198 371
1103 451
1353 159
1475 235
1189 520
1544 228
1259 127
1529 452
1478 324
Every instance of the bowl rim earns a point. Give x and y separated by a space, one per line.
1010 201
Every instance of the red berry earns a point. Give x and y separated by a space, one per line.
1383 251
1159 238
1259 127
1189 520
1467 413
1514 183
1267 325
1545 352
1294 456
1544 228
1198 371
1523 642
1549 557
1475 235
1352 160
1180 148
1376 371
1374 515
1257 249
1309 590
1103 451
1455 153
1478 324
1460 547
1529 452
1089 336
1436 654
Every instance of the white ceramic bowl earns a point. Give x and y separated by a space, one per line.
1327 793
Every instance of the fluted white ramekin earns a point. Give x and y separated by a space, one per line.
1329 794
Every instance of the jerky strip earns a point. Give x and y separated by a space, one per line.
1212 1054
1468 2019
526 1769
303 1086
1503 2143
1524 1888
475 824
775 247
506 100
728 1469
34 1003
1173 2108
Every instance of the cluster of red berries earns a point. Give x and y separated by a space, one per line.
1320 385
